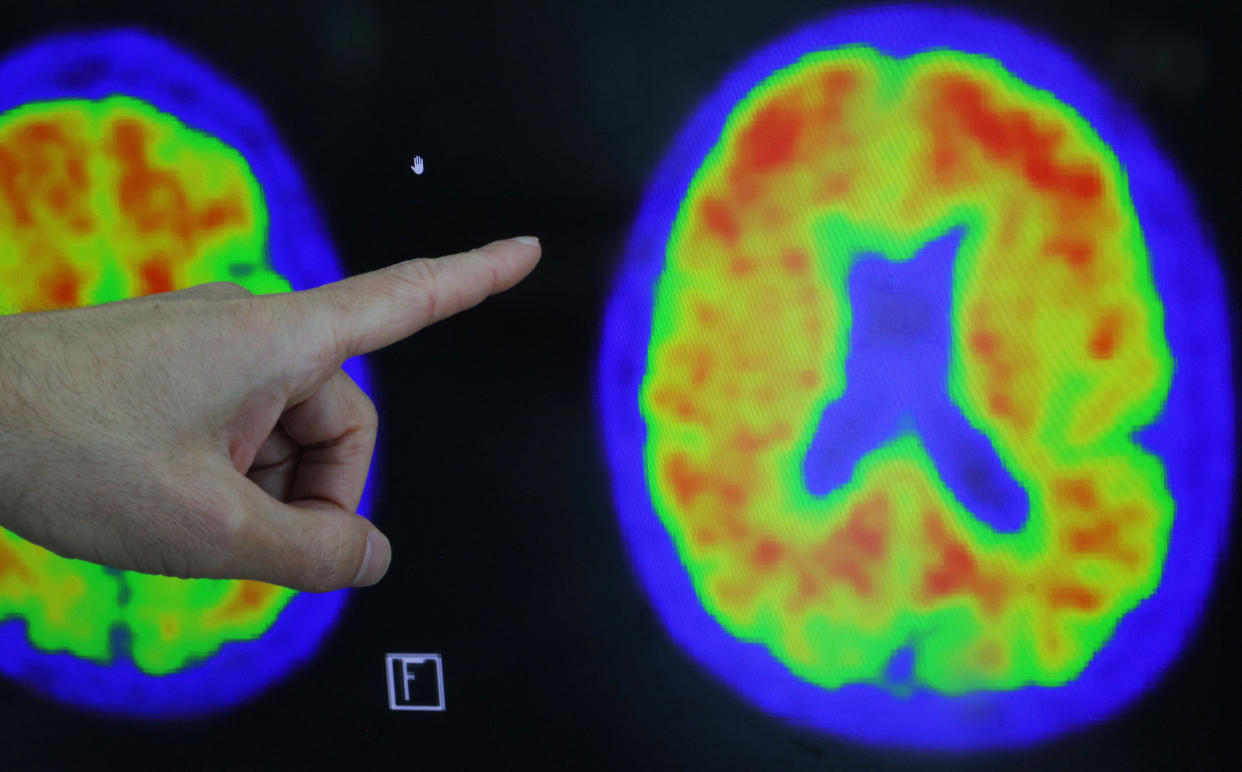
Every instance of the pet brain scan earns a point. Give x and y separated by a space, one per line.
915 387
129 168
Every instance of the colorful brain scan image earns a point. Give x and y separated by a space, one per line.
128 168
915 387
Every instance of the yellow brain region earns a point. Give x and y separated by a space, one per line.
1055 352
112 199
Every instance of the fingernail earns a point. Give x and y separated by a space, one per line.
530 241
375 560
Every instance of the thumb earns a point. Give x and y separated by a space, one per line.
369 311
310 545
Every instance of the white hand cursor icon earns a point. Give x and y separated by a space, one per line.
417 166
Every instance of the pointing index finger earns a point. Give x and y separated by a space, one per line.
372 310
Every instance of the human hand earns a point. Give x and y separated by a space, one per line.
211 433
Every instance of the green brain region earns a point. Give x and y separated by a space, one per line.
897 393
128 168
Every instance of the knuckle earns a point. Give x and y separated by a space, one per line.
232 289
367 413
421 275
223 289
421 271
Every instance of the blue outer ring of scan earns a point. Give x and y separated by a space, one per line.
1193 436
94 65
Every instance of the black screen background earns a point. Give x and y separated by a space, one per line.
549 118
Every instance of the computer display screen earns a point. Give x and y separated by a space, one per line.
871 404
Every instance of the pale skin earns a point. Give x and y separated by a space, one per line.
210 432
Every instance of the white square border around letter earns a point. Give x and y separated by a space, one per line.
392 694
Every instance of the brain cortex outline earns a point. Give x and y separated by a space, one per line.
897 392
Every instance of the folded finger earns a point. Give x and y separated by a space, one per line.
334 431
